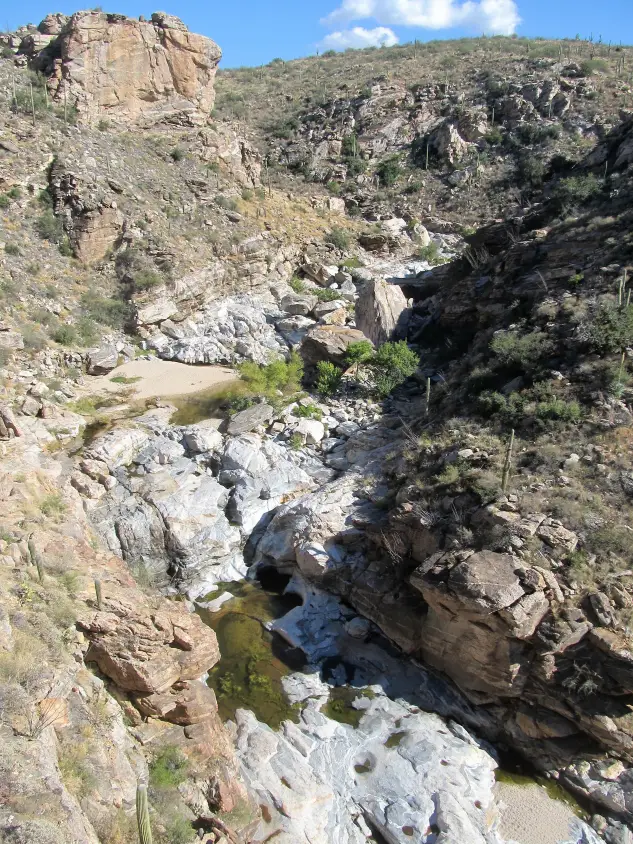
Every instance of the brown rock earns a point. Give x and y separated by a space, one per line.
381 311
144 652
329 342
94 233
185 703
113 66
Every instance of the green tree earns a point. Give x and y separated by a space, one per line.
328 378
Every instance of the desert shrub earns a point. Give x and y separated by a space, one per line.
277 375
531 169
494 136
297 284
324 294
576 190
333 187
393 363
247 194
590 66
389 171
111 312
50 227
226 202
339 238
12 249
53 505
5 201
168 769
521 351
177 154
559 410
307 411
34 339
328 378
533 134
64 334
87 330
146 279
611 329
296 441
429 253
357 353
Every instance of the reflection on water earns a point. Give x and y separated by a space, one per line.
254 660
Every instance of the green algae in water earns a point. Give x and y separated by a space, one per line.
553 789
253 661
207 404
395 739
339 706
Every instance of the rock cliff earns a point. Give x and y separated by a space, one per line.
112 67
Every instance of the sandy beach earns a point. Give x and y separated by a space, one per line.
530 816
163 378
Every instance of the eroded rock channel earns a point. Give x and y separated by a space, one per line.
341 735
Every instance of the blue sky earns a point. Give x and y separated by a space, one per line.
256 31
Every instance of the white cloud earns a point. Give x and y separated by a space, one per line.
359 37
492 16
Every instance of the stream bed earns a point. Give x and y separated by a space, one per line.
250 675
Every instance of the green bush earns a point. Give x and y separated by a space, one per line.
307 411
33 338
521 351
12 249
168 769
558 409
324 294
430 253
177 154
533 134
65 335
611 329
297 284
5 201
393 363
88 331
590 66
112 312
576 190
389 171
50 227
531 169
328 378
333 187
339 238
146 279
494 136
229 203
357 353
278 375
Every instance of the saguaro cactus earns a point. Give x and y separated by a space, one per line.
142 815
99 594
505 475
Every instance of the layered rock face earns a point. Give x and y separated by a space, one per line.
114 66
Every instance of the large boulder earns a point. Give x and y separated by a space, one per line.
329 343
142 650
482 613
127 69
381 312
249 419
102 360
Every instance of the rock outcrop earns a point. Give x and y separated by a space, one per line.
381 312
111 66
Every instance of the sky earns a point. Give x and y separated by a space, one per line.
253 32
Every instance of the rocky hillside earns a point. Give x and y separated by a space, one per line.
462 130
414 269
